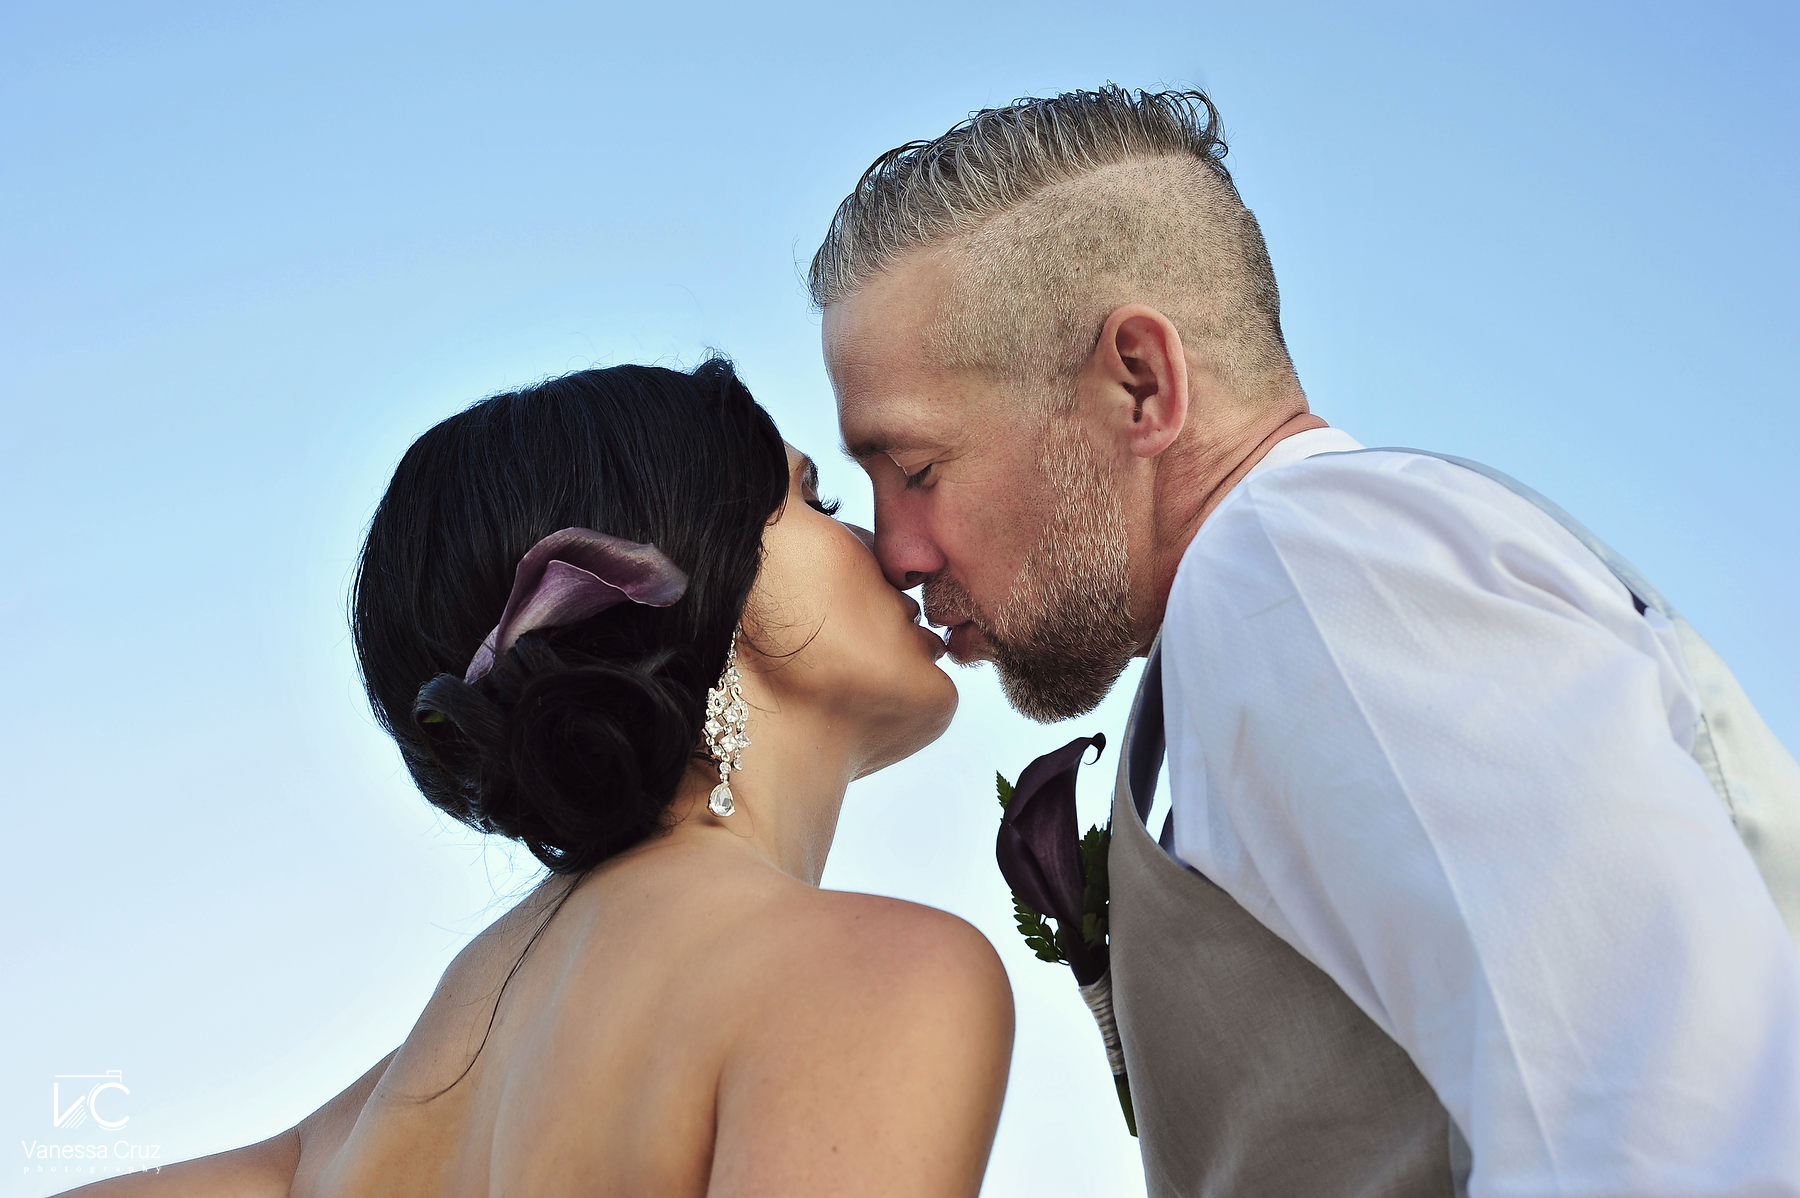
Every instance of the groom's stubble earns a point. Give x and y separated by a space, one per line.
1064 634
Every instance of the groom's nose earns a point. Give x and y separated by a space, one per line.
906 555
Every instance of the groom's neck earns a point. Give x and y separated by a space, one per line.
1190 487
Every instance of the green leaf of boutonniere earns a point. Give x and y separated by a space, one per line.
1094 847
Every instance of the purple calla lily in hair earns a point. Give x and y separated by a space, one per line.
572 574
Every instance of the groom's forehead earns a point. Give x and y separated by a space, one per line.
892 396
886 410
877 424
916 409
883 330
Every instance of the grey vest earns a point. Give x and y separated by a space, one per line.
1252 1073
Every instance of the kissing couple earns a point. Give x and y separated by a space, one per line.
1481 875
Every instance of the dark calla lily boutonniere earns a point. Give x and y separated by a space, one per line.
1056 874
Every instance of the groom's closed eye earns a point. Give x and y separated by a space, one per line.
915 479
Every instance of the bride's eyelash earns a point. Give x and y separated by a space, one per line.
828 506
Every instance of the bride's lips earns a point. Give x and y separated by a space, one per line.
938 645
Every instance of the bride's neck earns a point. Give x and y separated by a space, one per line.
787 795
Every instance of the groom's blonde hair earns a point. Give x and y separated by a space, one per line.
1050 213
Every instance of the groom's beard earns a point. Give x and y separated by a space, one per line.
1064 635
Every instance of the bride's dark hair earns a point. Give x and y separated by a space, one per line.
576 740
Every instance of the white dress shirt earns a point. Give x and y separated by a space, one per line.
1419 731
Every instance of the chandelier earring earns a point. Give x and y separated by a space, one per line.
726 717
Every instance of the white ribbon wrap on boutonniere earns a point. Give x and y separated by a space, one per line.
1098 997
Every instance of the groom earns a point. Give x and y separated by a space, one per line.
1481 875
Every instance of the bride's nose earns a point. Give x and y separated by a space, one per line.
863 535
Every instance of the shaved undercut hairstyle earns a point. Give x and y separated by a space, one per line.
1050 213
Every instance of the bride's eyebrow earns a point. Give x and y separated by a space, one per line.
809 473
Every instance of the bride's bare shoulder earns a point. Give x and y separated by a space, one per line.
875 1043
833 942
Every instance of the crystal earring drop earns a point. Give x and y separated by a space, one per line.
726 716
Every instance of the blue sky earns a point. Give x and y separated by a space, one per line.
249 252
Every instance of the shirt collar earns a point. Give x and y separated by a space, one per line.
1304 445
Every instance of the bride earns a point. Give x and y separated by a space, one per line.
563 594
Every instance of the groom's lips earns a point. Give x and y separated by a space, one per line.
961 636
959 639
965 643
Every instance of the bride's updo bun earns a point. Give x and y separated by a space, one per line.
576 739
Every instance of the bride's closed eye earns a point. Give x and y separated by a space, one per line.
809 488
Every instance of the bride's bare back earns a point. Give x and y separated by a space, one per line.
698 1018
689 1023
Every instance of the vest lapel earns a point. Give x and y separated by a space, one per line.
1251 1073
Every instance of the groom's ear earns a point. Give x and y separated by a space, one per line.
1138 377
